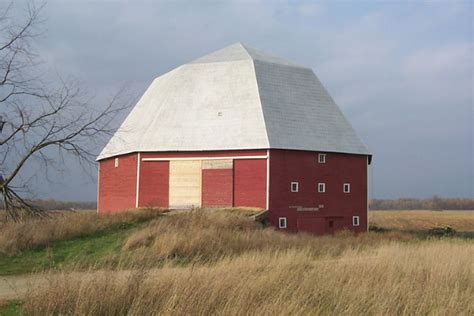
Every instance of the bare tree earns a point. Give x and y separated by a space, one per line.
36 117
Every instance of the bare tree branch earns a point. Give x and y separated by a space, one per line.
35 117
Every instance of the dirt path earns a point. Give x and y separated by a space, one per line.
15 287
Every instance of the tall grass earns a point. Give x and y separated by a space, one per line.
224 263
434 203
15 237
422 220
204 236
429 277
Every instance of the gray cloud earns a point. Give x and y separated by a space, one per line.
401 72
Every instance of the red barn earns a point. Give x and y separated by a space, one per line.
240 128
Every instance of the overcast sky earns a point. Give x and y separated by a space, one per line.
402 72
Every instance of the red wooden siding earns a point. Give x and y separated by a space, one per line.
217 187
117 185
154 184
246 183
288 166
250 183
310 224
249 177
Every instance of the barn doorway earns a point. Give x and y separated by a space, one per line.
185 184
217 183
332 224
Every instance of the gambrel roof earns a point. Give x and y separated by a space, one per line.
235 98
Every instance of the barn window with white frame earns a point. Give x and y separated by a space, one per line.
282 222
347 188
294 186
321 158
321 187
355 220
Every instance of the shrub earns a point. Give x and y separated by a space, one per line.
442 231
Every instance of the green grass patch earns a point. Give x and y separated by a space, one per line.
80 250
11 308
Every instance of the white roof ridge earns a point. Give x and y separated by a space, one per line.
259 55
241 51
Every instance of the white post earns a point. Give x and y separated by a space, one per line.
138 180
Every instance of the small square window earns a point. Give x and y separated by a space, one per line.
116 162
347 188
322 158
282 222
355 220
294 186
321 187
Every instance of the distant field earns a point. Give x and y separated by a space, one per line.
223 263
462 221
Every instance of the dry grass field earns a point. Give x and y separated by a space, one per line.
15 237
223 263
426 278
462 221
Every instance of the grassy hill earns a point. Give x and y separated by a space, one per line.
222 262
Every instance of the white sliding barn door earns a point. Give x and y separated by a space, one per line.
185 184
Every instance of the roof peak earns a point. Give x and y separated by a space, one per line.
240 51
234 99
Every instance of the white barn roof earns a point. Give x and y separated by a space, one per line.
235 98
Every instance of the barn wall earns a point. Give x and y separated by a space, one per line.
250 183
288 166
154 184
117 185
218 182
